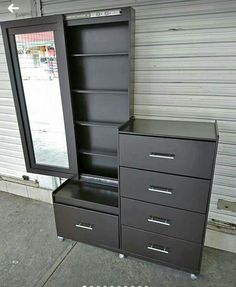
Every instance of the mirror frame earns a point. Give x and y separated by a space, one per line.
34 25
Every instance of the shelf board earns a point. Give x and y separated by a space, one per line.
88 195
98 124
118 92
91 178
98 153
99 54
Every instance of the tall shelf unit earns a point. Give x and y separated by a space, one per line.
99 55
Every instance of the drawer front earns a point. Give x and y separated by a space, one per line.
171 190
162 248
86 226
161 219
184 157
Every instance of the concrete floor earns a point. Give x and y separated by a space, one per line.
31 255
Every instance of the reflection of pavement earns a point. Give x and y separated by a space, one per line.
49 149
35 73
44 107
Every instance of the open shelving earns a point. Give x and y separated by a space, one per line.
99 38
114 92
99 164
98 153
103 124
88 195
99 56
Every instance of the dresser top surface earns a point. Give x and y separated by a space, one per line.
174 129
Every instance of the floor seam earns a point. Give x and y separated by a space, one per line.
43 281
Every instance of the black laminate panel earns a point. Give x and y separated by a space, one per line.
181 253
102 73
176 129
101 107
171 190
187 157
98 137
89 195
102 229
98 38
98 164
164 220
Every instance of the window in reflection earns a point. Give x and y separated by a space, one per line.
38 66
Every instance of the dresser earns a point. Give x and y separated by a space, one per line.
165 176
137 187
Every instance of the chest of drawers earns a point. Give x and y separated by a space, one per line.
165 177
146 194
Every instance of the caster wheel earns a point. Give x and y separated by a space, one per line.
193 276
60 238
121 256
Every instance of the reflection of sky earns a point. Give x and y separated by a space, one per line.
43 100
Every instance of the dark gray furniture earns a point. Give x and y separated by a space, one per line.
137 187
166 173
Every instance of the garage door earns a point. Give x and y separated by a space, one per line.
185 68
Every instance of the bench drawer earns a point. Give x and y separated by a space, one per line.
87 226
177 156
165 189
164 220
173 251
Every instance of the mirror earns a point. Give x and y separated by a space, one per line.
39 73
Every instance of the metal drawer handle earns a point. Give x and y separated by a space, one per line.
160 190
162 155
161 249
159 220
84 226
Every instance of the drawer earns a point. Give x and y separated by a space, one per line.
177 156
86 226
161 219
171 190
176 252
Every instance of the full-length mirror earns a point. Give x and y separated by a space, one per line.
37 58
37 61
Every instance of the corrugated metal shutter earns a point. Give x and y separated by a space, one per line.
185 68
11 154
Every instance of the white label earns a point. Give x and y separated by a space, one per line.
95 14
105 13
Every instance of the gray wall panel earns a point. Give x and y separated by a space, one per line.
187 64
185 68
11 154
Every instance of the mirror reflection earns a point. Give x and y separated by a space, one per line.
39 72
